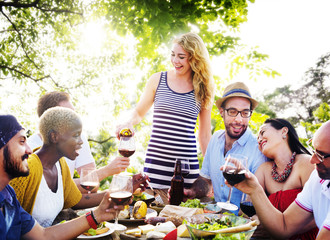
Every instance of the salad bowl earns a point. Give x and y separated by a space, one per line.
220 226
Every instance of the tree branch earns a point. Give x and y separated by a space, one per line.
16 4
100 142
20 39
24 74
58 10
10 30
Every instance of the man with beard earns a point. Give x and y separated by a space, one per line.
15 222
235 106
313 203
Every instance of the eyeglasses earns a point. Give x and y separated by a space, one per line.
319 156
233 112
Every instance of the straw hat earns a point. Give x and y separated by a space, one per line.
237 89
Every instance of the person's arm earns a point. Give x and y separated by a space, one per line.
199 189
204 132
143 106
71 229
118 165
324 234
89 200
291 221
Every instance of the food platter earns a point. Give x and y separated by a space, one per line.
150 213
111 230
145 197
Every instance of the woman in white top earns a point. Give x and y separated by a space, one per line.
85 158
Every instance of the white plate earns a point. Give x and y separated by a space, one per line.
84 211
111 230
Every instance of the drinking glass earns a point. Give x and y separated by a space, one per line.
234 172
121 190
247 206
126 146
88 179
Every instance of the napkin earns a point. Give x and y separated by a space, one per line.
177 211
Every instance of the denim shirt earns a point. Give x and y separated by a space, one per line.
214 158
14 220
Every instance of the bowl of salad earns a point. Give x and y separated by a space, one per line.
196 203
220 227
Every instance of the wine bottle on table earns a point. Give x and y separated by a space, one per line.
177 182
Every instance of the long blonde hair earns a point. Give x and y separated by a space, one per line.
200 64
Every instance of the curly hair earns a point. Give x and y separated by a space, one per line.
293 139
51 99
58 119
200 64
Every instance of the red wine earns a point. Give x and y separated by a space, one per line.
89 186
248 208
184 173
234 176
126 153
121 198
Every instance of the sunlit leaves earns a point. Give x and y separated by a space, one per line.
300 103
156 22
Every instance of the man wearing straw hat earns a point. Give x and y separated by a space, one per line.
235 107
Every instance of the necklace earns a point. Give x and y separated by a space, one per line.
285 174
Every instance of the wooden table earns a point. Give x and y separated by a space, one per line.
69 214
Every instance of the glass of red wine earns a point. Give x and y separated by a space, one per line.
88 179
234 172
126 146
247 206
121 191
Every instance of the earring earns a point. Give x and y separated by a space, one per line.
284 137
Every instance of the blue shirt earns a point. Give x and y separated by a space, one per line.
14 220
214 158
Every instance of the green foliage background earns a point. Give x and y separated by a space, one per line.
41 50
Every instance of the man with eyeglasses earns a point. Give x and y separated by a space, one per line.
235 106
312 204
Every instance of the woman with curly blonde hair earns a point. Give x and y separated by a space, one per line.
180 97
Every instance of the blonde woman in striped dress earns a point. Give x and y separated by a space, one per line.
180 97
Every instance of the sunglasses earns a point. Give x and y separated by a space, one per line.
319 156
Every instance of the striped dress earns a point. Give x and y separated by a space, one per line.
172 137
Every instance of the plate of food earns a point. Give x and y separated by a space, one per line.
137 213
142 196
220 226
103 229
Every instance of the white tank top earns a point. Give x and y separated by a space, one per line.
48 204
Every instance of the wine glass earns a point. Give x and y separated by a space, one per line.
247 206
88 179
185 167
121 190
126 146
234 172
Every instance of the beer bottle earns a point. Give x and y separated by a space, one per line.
176 192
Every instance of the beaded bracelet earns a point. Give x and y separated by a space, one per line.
91 221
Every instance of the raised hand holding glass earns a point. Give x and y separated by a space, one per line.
234 172
121 190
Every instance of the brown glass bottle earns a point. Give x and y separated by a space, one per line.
176 192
